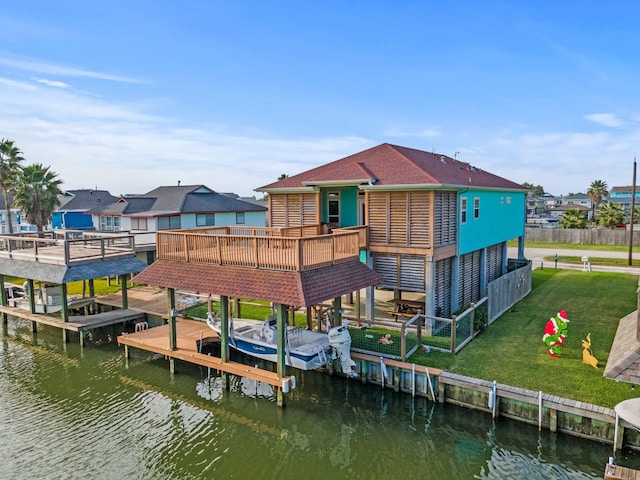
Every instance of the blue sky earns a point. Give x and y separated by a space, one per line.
130 95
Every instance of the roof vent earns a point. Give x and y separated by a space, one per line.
443 159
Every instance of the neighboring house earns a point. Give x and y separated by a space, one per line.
556 206
74 205
18 220
623 195
559 211
575 199
435 225
174 208
536 206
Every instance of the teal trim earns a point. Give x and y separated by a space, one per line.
501 218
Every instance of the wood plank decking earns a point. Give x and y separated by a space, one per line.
616 472
77 323
188 334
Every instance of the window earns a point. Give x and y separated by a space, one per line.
205 219
239 218
109 222
139 224
333 208
476 208
169 223
463 210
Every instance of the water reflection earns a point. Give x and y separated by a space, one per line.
72 413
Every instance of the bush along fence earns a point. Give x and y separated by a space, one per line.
545 411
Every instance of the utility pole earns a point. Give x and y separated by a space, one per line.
633 207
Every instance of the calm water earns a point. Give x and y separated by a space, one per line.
67 413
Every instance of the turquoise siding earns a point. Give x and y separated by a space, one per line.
502 218
251 219
348 205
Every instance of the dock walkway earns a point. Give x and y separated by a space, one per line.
189 334
77 323
616 472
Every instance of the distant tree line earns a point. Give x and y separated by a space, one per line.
34 189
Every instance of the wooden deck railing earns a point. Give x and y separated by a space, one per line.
362 230
299 231
66 247
266 251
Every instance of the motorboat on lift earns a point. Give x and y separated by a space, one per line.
304 349
47 299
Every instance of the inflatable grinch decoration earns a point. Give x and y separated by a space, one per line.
555 332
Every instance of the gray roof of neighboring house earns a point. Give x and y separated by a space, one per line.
50 272
179 199
582 196
85 199
569 206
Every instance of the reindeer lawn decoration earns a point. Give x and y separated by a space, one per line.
587 354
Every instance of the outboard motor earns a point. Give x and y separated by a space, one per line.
340 340
268 331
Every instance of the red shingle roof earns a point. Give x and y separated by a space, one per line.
300 289
390 165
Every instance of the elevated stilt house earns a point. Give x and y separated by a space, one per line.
428 222
390 216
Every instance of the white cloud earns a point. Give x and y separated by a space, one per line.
52 83
562 162
48 68
605 119
126 148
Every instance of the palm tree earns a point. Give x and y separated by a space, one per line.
10 158
610 214
574 218
597 191
36 192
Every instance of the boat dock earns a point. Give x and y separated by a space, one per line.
616 472
77 323
191 335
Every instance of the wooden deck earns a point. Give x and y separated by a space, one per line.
189 333
77 323
67 247
616 472
263 252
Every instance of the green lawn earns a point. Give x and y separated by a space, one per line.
100 286
597 261
511 350
254 309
